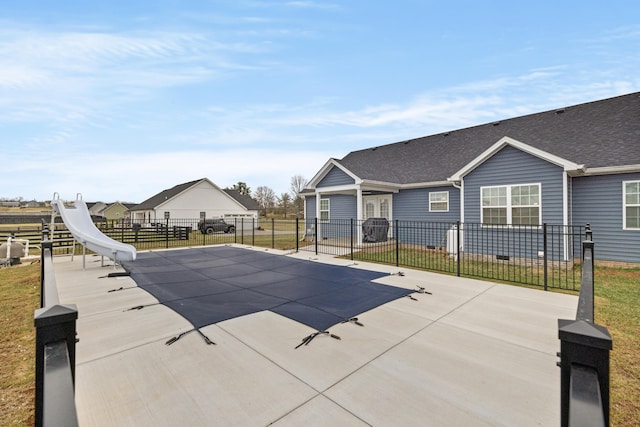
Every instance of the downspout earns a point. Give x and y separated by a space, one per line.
461 188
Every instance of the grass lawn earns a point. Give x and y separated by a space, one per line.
19 297
617 307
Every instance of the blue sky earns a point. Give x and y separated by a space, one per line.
119 100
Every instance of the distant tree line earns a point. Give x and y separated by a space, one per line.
286 204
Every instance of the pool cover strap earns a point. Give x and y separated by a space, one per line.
306 340
177 337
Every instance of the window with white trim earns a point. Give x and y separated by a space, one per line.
631 208
510 205
324 210
439 201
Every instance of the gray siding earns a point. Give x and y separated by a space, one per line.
335 177
597 200
508 167
342 208
413 205
512 166
418 226
310 205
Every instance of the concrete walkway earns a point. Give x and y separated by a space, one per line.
473 353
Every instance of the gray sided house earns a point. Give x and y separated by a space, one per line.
570 166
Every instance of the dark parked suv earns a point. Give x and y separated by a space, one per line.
210 226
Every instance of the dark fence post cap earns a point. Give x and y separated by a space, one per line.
584 333
55 315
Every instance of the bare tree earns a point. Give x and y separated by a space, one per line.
298 182
265 197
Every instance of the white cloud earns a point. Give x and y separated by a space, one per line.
116 176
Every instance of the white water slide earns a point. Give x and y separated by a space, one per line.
79 223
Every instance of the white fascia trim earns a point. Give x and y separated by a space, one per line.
336 189
427 184
325 169
608 170
503 142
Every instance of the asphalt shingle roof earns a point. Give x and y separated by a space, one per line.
596 134
154 201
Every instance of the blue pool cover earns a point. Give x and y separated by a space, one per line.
212 284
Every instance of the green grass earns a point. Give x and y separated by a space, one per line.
617 307
19 297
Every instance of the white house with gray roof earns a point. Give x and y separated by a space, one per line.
194 200
569 166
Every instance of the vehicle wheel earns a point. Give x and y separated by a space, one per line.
209 230
231 229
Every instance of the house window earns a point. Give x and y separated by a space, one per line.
439 201
511 205
631 200
324 210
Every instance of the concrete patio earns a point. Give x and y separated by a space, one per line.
472 353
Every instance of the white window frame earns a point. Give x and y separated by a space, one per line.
327 210
432 202
509 207
625 205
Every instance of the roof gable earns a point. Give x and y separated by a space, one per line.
328 166
156 200
506 141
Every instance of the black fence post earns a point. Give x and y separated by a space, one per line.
396 235
545 256
47 250
273 233
297 234
54 323
351 237
235 230
458 248
166 233
315 228
55 352
584 358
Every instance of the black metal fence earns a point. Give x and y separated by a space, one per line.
55 351
584 358
548 256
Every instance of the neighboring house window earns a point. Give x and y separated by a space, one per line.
324 210
511 205
166 215
631 200
439 201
